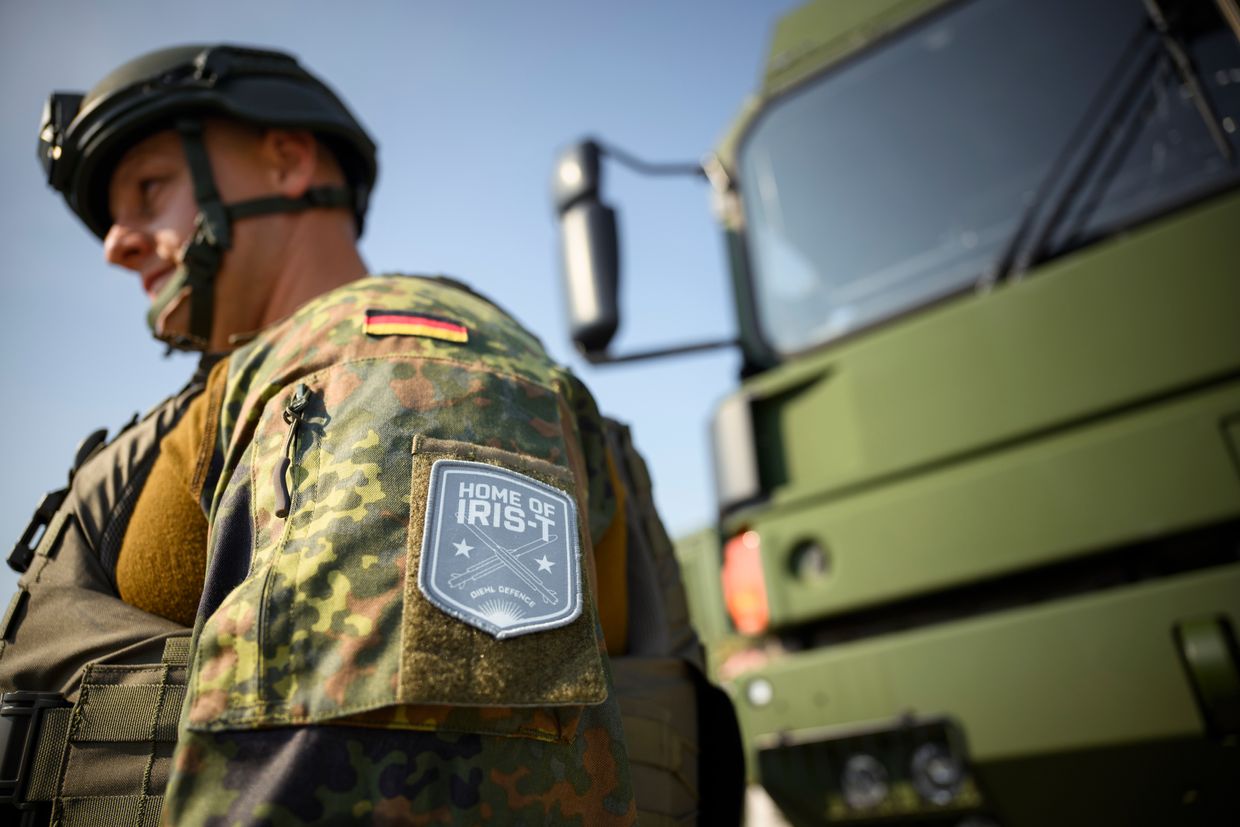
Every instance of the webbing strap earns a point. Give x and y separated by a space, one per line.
94 747
51 535
314 198
12 613
93 810
45 773
176 651
200 173
203 253
124 713
42 553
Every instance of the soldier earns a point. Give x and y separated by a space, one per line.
405 541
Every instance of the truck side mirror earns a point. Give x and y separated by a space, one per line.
589 244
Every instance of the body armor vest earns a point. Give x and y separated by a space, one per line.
104 681
101 754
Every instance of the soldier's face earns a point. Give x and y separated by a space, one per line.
151 198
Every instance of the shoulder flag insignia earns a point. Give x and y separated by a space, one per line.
403 323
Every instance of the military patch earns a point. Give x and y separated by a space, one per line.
499 549
403 323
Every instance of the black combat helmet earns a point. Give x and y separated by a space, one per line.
83 136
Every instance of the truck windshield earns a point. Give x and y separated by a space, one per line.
898 177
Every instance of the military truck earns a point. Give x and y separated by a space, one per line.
977 558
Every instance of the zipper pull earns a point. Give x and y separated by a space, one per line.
293 416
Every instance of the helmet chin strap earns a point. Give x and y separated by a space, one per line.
203 253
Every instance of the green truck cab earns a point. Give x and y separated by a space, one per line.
978 552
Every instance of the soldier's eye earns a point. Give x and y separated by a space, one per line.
148 187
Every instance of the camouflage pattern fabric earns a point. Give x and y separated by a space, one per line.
324 686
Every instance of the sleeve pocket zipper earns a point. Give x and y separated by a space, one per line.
294 413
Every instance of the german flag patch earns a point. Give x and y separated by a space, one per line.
402 323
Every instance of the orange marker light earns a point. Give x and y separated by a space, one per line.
744 586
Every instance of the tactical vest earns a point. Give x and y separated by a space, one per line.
90 739
92 745
680 730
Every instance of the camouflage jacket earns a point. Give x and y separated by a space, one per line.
329 683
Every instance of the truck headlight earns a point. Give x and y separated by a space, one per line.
759 692
864 782
937 774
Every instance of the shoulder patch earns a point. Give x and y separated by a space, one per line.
500 549
380 322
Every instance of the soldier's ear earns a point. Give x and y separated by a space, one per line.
292 155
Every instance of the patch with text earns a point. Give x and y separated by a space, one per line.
500 549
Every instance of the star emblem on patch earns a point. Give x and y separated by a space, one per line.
500 549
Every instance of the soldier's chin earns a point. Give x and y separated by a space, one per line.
173 321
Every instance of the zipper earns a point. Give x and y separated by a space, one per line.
294 416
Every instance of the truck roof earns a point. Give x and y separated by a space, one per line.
812 37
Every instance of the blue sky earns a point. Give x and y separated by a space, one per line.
469 102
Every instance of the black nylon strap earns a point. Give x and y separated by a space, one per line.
201 259
214 221
314 198
205 251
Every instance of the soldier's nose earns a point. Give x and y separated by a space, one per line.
126 247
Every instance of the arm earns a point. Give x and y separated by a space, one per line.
328 681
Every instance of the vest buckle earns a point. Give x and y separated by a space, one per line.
21 719
24 550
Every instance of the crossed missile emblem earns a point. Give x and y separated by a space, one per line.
505 558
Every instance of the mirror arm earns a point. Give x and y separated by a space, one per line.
590 248
605 358
646 167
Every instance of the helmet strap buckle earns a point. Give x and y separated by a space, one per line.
202 257
212 228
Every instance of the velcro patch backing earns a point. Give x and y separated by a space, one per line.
499 549
381 322
451 657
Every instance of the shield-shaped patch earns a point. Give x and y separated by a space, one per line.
500 549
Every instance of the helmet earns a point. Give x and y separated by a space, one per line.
82 137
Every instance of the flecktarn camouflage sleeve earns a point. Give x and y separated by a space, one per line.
398 623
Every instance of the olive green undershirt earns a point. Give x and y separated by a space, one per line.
163 557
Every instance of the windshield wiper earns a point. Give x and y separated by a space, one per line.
1188 76
1119 91
1119 94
